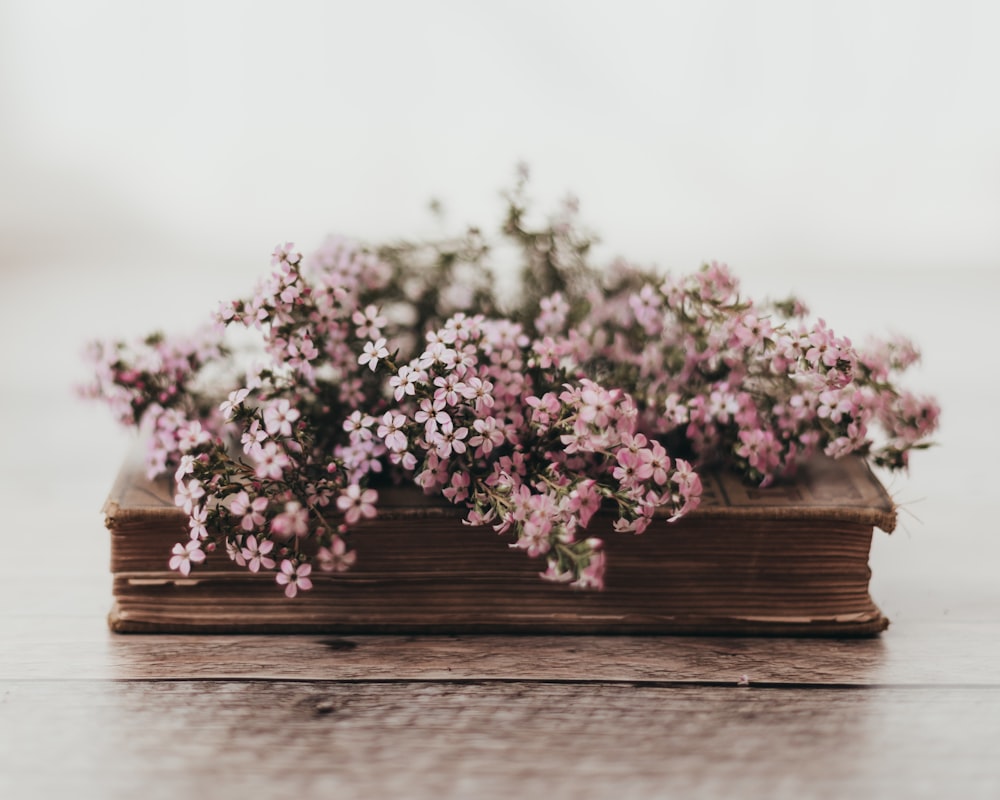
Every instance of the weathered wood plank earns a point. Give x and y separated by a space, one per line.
323 739
915 654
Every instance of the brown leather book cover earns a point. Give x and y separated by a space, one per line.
791 559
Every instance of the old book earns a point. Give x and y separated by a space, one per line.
791 559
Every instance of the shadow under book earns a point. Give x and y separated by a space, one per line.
791 559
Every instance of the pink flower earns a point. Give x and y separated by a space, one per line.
188 495
391 432
293 577
252 438
285 254
251 512
458 491
356 503
234 553
450 389
278 418
432 416
404 382
359 425
448 441
437 352
552 314
256 554
228 407
271 462
197 522
534 536
293 521
545 409
584 501
185 467
373 353
597 408
184 555
760 449
370 322
632 468
834 404
336 557
480 392
843 445
689 488
488 435
191 435
658 462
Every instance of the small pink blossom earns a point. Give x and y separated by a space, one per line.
480 392
598 406
293 520
552 314
252 513
358 425
450 389
336 557
271 462
458 490
369 322
373 353
449 440
432 416
657 462
235 553
631 469
294 577
184 555
356 503
256 554
188 495
404 382
236 398
487 435
390 431
191 435
278 418
197 523
285 253
184 468
252 438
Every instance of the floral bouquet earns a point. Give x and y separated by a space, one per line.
359 367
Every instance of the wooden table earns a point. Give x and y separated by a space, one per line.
914 713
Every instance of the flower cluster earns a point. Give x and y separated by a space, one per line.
599 392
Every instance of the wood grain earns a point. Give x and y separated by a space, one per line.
225 739
910 654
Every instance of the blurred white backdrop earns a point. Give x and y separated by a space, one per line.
152 154
792 134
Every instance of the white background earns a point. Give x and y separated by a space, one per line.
813 136
153 153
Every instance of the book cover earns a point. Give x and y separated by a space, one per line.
791 559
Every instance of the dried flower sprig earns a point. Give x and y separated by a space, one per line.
598 389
